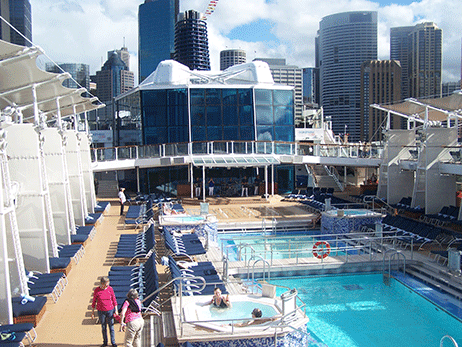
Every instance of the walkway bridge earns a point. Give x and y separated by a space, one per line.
234 154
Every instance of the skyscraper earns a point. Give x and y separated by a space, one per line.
80 74
310 86
380 84
290 75
114 78
191 41
345 41
419 49
18 14
230 57
156 34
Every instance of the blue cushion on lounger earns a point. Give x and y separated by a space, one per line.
59 263
79 238
30 308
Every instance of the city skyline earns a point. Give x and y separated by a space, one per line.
262 28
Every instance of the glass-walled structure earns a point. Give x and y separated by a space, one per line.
177 105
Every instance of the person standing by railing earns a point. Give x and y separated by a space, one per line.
211 187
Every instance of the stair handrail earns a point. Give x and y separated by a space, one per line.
450 339
332 173
394 253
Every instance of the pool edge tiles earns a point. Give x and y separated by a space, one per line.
219 334
333 222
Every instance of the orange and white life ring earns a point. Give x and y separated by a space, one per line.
321 249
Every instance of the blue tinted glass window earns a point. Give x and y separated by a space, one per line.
213 115
245 115
230 115
177 115
282 133
283 115
263 97
155 116
177 97
214 133
264 115
154 97
245 97
247 133
198 115
213 96
155 135
197 96
230 133
229 96
283 97
265 134
198 133
177 134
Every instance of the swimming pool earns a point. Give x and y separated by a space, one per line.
278 246
360 311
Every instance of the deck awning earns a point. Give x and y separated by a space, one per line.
235 161
438 108
23 85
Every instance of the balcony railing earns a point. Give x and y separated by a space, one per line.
236 147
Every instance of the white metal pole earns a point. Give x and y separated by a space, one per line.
266 182
203 183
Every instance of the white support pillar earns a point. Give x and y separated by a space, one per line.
266 182
203 183
272 180
138 187
191 175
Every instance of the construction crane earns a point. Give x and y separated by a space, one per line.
210 9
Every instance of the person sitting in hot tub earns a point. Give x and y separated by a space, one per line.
256 315
219 300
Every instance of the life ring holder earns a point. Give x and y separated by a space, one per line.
323 251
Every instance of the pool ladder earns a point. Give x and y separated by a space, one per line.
450 338
394 253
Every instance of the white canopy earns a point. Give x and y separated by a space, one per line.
19 76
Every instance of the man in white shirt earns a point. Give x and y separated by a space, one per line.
122 200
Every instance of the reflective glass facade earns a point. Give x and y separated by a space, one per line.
156 34
217 114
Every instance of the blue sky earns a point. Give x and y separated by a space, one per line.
84 30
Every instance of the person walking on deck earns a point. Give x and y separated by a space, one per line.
105 302
133 323
122 200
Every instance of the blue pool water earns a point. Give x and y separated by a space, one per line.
279 246
238 310
361 311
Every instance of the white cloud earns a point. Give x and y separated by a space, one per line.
84 30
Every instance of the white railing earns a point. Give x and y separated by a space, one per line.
236 148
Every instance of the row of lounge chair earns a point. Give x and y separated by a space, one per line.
297 194
136 245
447 214
27 311
183 244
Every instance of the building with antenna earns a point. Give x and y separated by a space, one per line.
18 13
191 41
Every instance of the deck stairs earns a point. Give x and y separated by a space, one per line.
108 189
325 177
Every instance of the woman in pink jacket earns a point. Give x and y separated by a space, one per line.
131 319
105 302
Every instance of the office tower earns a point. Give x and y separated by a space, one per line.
449 87
380 84
419 49
156 34
345 41
310 86
79 72
114 78
191 41
18 14
230 57
289 75
123 54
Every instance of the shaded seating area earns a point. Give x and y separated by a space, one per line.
144 278
206 270
136 245
187 244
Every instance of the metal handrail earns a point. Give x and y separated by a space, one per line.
450 339
394 253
